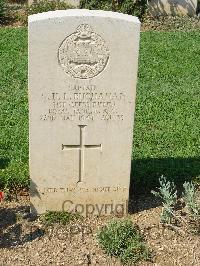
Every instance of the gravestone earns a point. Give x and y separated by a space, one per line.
82 87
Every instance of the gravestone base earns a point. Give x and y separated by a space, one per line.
100 200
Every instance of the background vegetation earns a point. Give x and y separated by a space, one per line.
45 6
136 8
17 11
2 9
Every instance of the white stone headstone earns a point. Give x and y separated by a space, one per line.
82 86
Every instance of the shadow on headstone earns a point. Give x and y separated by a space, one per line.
33 189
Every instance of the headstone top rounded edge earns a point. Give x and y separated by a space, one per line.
80 13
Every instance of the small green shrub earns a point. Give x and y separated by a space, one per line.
97 4
15 175
136 8
120 238
131 7
167 193
45 6
51 217
191 201
40 7
2 9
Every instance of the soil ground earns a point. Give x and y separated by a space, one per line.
27 241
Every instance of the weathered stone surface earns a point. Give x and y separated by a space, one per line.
82 86
172 7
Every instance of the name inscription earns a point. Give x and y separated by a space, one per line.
83 103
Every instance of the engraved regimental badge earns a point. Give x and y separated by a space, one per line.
83 54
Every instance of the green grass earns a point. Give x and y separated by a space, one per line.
13 107
166 133
167 124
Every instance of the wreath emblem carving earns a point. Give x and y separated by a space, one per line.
83 54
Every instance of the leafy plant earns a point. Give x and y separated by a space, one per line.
2 9
97 4
191 200
45 6
120 238
51 217
167 193
136 8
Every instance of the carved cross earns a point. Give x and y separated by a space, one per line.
81 148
